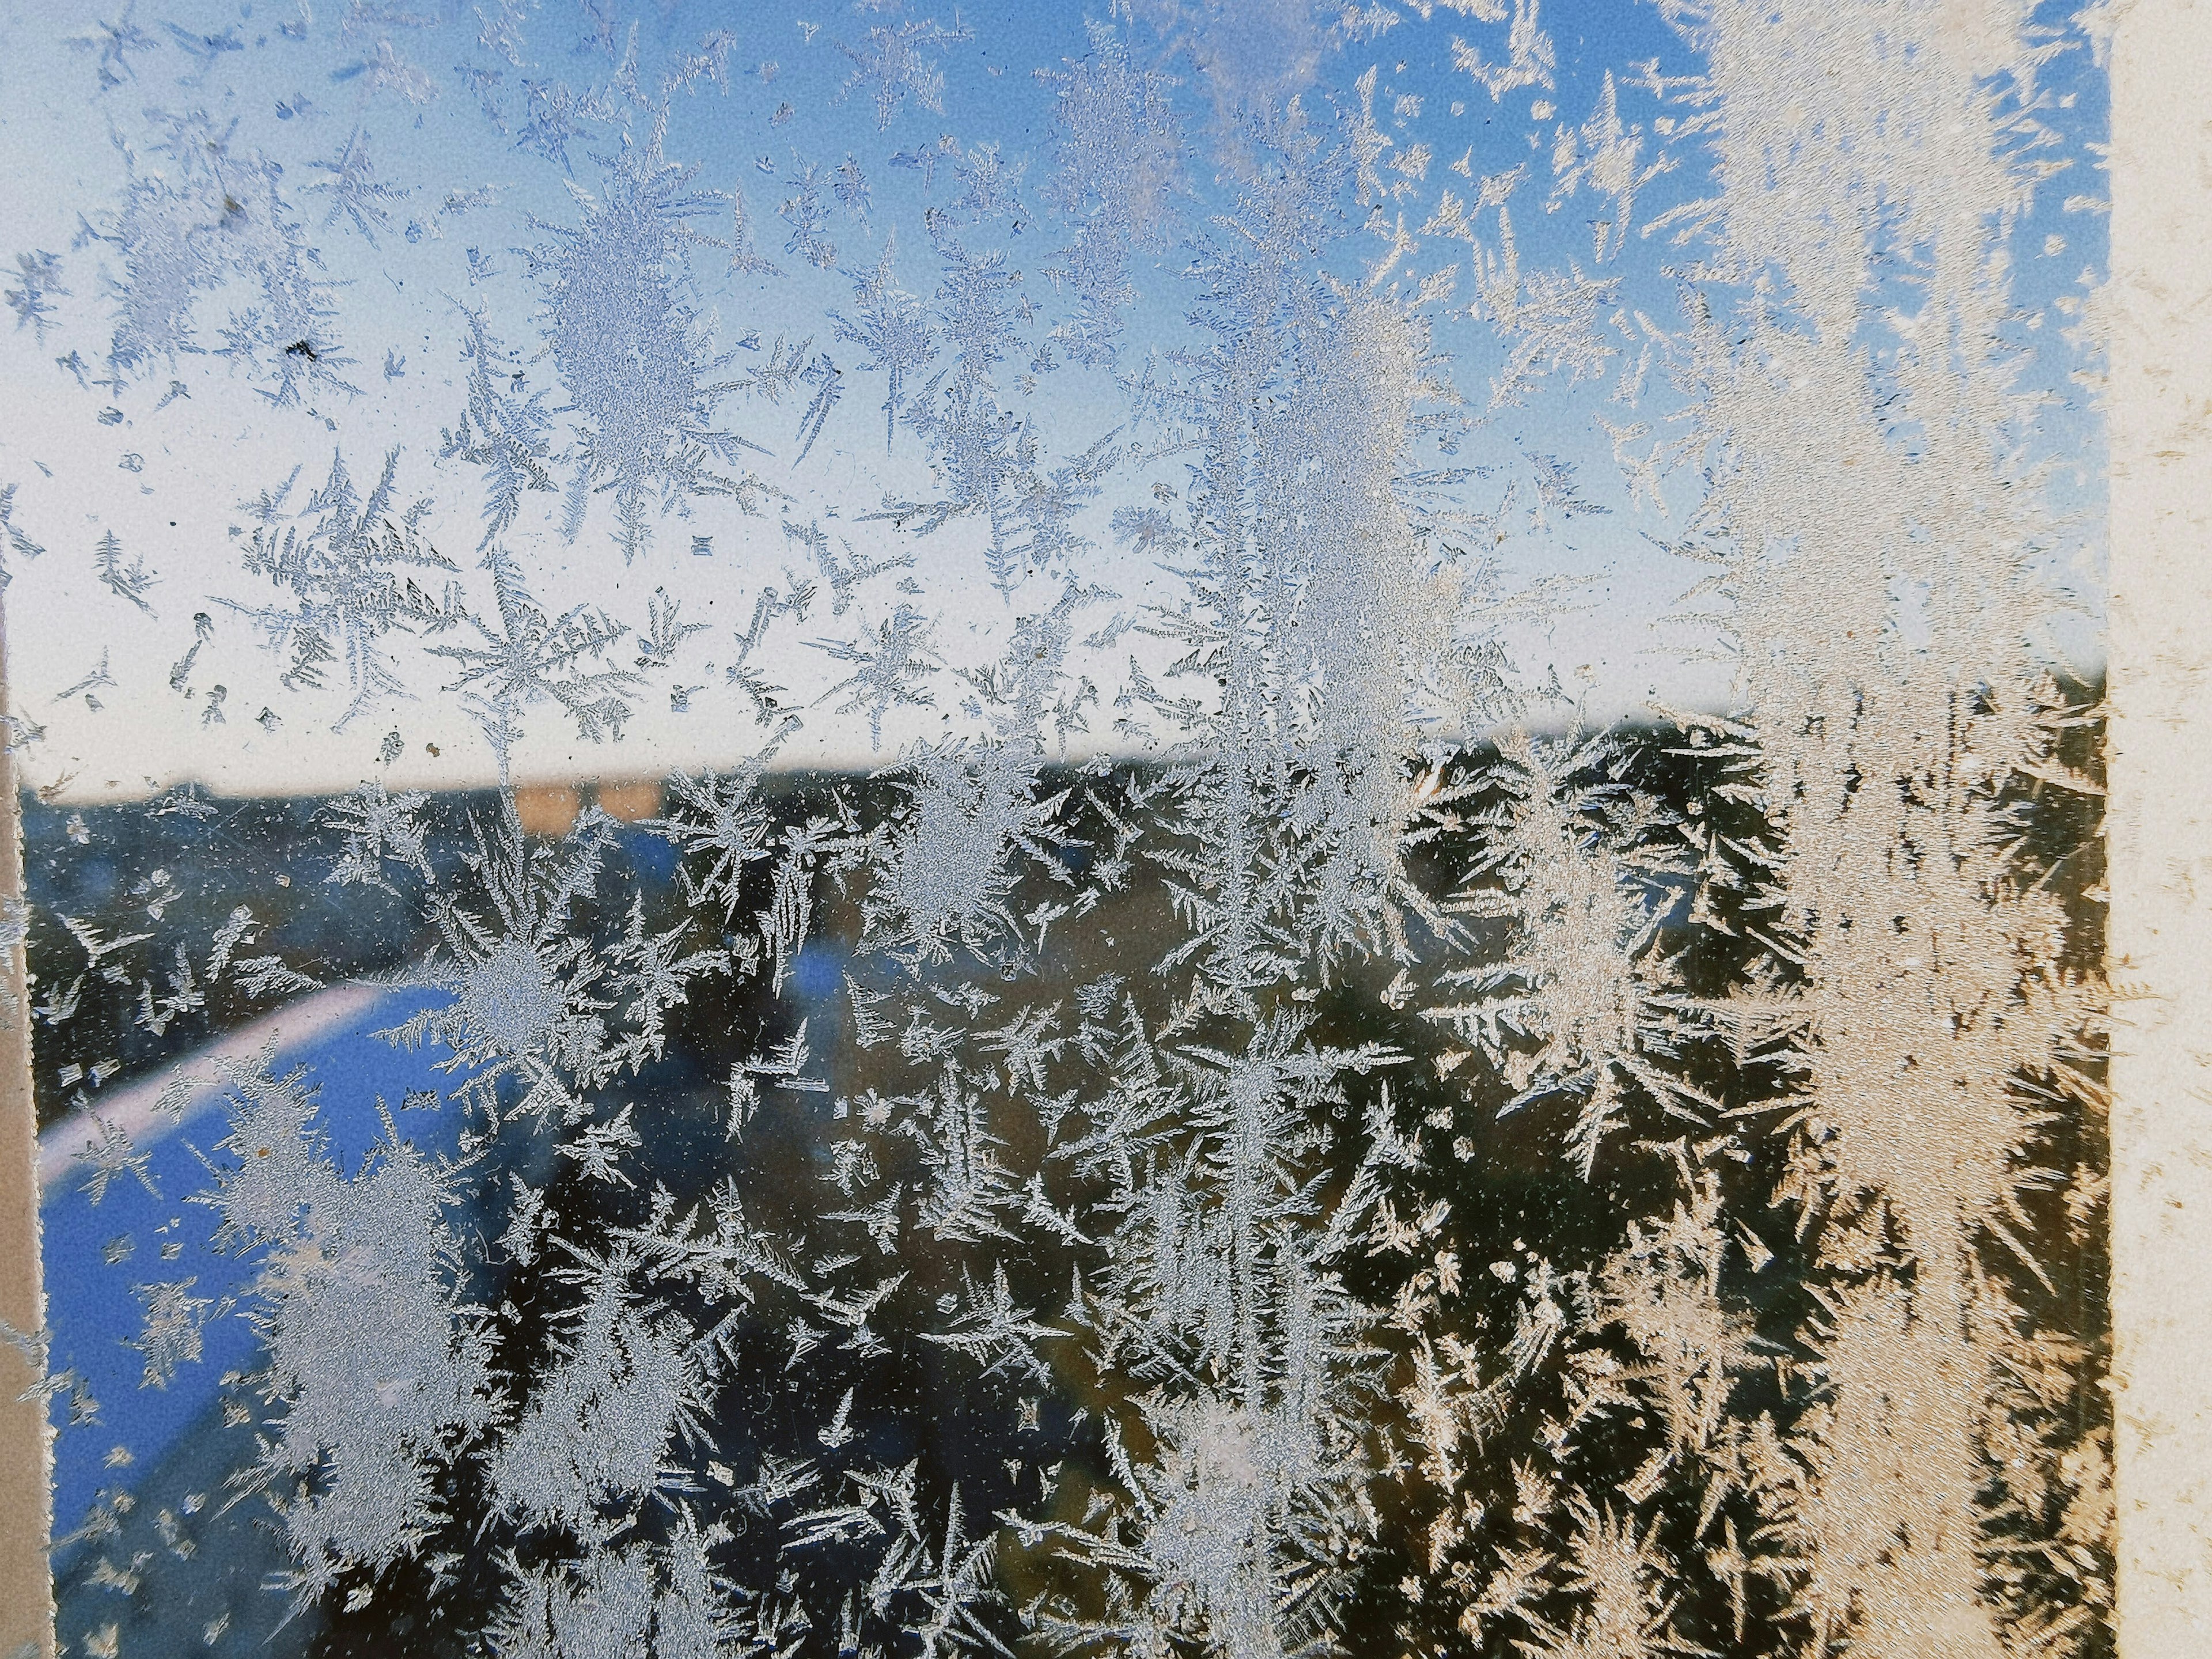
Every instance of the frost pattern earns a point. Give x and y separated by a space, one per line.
1157 1073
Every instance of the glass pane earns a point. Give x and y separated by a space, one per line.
1230 829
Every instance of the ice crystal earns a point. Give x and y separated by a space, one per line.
635 359
349 581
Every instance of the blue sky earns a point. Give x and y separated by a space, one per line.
166 473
